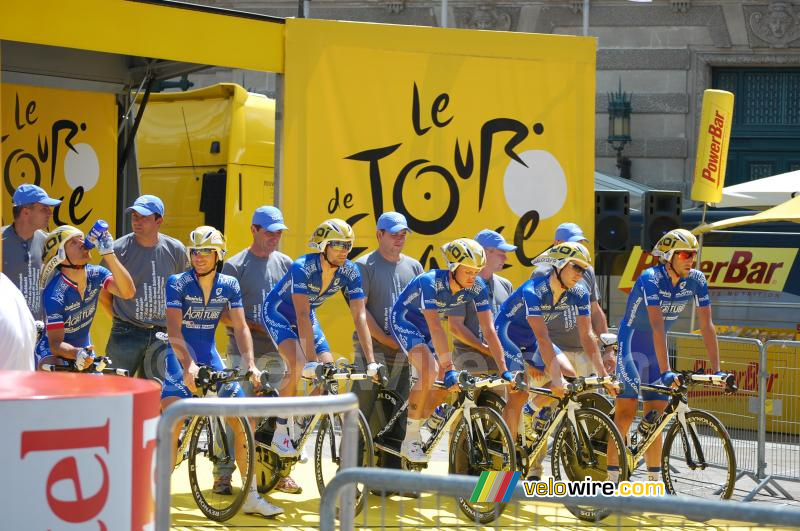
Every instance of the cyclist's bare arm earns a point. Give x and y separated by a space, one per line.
359 312
496 350
302 309
121 284
465 335
589 343
709 336
656 317
545 344
106 300
59 347
377 332
439 339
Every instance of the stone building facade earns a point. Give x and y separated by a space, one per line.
666 52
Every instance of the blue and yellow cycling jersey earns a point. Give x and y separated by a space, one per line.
654 288
65 308
200 317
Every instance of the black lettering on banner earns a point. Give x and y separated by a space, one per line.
415 224
427 261
526 226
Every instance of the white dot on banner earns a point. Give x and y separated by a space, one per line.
542 186
82 168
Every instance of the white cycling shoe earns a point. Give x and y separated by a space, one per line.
255 504
412 450
283 446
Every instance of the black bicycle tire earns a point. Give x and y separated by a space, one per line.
727 445
368 453
237 501
474 515
560 449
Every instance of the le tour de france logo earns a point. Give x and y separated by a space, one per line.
534 184
37 144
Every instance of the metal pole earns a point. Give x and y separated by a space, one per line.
761 465
585 18
349 451
231 407
444 13
699 256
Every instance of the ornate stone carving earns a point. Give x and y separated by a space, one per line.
681 6
395 6
484 18
776 24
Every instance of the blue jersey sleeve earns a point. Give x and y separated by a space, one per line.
583 302
53 310
300 278
648 285
174 293
482 302
352 288
533 304
235 297
701 297
104 277
427 284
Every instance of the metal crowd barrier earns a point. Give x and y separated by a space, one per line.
766 433
253 407
457 485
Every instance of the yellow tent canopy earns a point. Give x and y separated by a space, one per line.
788 211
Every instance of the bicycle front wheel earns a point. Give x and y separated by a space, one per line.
581 450
481 443
698 459
215 442
328 452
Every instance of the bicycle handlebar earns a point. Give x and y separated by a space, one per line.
207 377
100 365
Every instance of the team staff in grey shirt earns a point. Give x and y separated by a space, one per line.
385 272
23 241
257 268
563 329
470 351
150 257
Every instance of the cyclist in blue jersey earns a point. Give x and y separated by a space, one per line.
521 324
195 301
289 313
657 297
416 326
70 297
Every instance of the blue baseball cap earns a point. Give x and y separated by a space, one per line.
269 218
147 205
27 194
489 239
393 222
570 232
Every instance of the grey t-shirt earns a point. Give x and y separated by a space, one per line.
149 268
499 290
257 276
383 281
563 329
22 263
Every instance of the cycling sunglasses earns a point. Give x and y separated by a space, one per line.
685 255
343 245
202 252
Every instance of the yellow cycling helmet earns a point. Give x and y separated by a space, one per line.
206 237
333 229
464 251
674 240
53 252
563 253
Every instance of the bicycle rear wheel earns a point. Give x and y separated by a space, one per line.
581 451
328 456
481 443
213 442
699 460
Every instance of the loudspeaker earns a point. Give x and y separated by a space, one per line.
661 212
611 219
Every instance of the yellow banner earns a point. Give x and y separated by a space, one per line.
758 268
712 146
458 130
66 142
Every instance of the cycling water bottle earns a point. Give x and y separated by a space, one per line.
439 415
99 227
540 424
527 419
647 423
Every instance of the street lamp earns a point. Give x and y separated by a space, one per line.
619 127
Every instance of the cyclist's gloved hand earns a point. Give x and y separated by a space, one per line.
508 376
668 378
310 370
105 244
83 359
450 378
101 364
373 368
